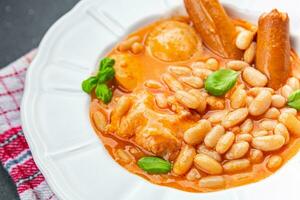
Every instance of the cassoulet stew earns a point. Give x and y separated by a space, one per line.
200 103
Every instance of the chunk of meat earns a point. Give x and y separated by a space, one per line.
173 41
157 139
215 27
154 131
273 47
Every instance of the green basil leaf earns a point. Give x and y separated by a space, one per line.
106 63
294 100
221 81
103 92
154 165
106 74
89 84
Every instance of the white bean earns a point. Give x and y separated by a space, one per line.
209 152
261 103
237 65
292 111
192 81
236 165
100 121
268 143
244 39
124 156
256 90
201 98
153 84
239 29
278 101
244 137
225 142
238 98
196 134
213 136
127 44
217 116
212 64
260 79
161 100
280 129
207 164
249 54
237 150
187 99
137 47
202 73
198 65
291 122
272 113
247 126
294 83
249 100
257 133
179 70
212 182
256 156
185 160
193 175
215 103
268 125
286 91
172 83
274 162
235 117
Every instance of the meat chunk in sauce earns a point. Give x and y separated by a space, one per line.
154 131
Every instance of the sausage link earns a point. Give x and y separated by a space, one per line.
214 26
273 47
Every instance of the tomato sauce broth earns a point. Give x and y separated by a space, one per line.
152 68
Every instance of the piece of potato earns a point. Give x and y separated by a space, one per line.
128 71
173 41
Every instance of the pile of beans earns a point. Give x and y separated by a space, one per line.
236 130
133 44
244 41
250 125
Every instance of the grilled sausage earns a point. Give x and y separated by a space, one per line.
214 26
273 47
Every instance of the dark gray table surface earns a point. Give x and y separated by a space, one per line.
22 25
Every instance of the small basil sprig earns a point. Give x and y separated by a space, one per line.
221 81
105 75
99 82
106 63
89 84
294 100
103 92
154 165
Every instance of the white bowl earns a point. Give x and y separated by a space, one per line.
55 112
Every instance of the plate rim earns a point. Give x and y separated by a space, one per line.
26 95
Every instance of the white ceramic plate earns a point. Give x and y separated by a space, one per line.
55 110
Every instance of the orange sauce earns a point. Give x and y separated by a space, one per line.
152 68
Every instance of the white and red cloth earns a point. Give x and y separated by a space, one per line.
15 154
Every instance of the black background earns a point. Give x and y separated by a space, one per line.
22 25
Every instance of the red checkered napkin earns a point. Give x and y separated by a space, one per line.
15 154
